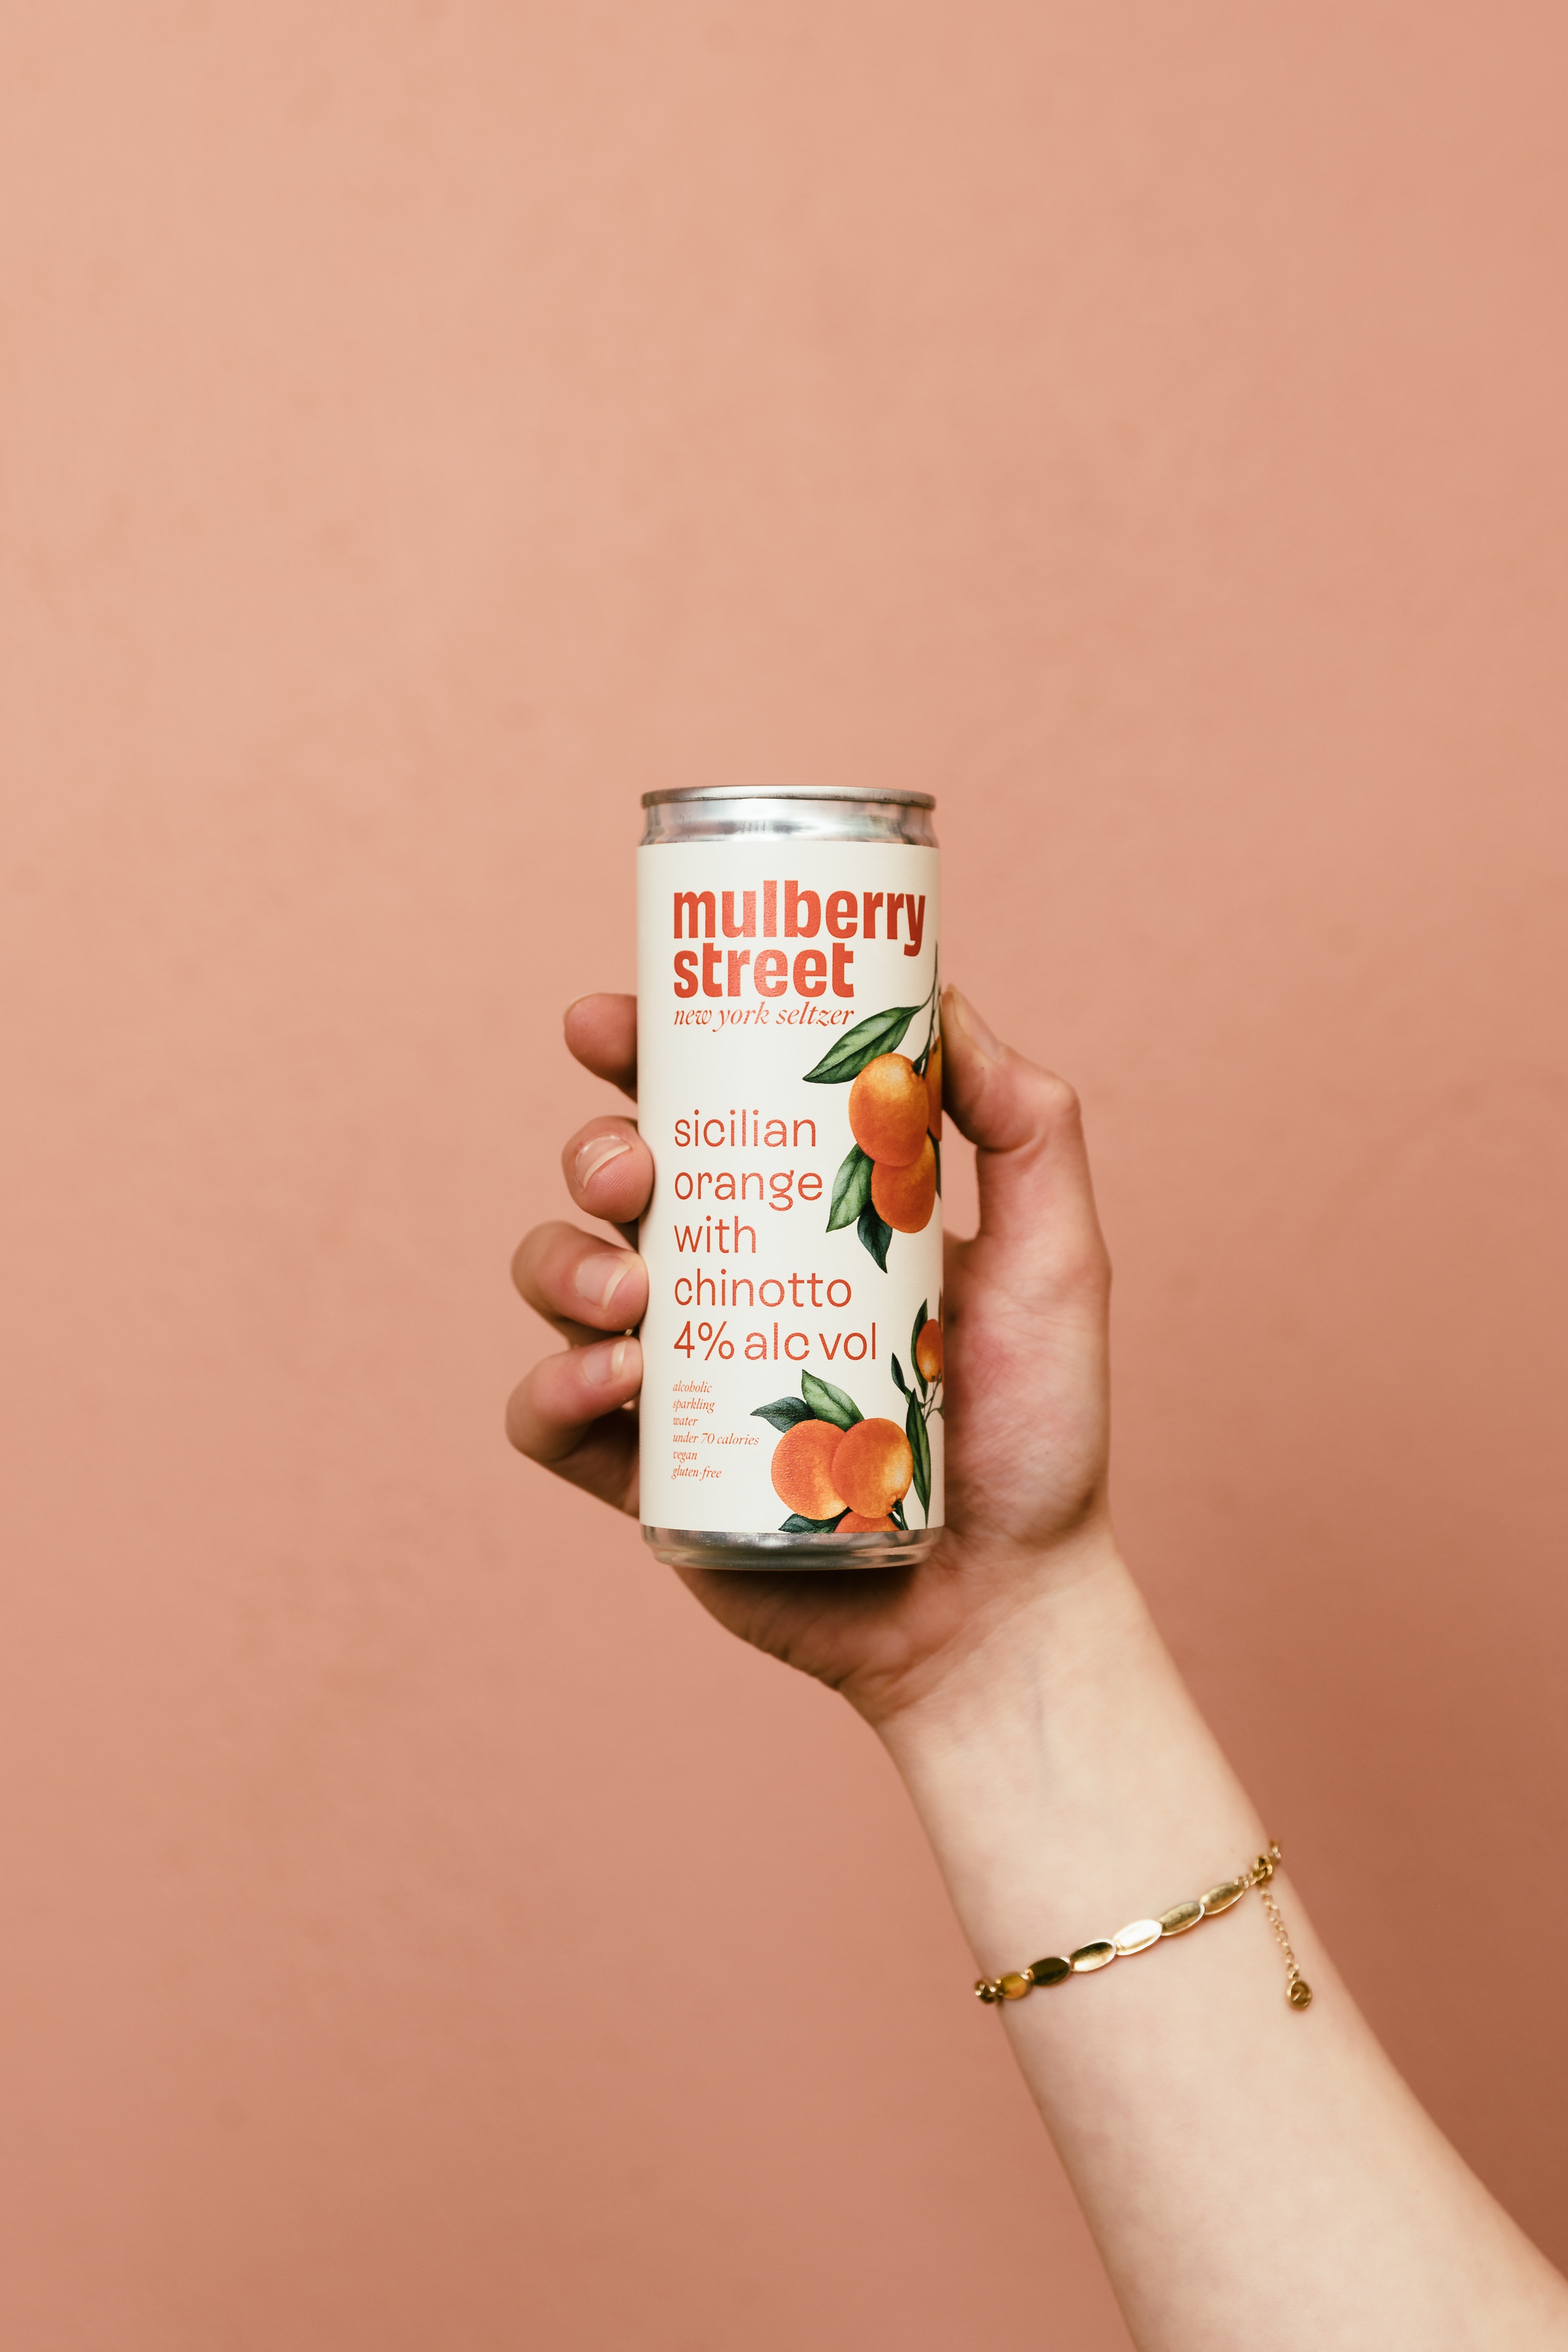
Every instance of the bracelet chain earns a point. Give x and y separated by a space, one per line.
1141 1934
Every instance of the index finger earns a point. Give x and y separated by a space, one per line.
602 1033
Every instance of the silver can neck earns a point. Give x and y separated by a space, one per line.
802 812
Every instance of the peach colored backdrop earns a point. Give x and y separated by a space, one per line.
425 428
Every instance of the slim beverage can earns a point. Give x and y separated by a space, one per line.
789 1083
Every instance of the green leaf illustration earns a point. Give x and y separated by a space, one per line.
916 1328
899 1381
875 1234
828 1403
848 1056
936 1148
851 1189
795 1526
784 1413
896 1516
919 1446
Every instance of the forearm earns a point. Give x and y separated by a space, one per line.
1257 2176
1252 2174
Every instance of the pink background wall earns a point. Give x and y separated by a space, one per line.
425 428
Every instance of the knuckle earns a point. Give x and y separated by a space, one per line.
519 1419
1087 1267
532 1254
1079 1260
1059 1101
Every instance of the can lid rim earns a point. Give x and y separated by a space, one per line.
885 793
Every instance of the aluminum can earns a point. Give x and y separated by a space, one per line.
789 1080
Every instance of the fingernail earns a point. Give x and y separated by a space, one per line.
973 1028
607 1362
599 1277
597 1153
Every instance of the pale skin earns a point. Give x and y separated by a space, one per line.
1253 2176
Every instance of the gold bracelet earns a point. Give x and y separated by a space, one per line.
1143 1933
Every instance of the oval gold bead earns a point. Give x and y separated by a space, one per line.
1180 1917
1300 1994
1089 1956
1221 1897
1014 1985
1138 1937
1050 1971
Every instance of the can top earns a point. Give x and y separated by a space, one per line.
791 792
755 813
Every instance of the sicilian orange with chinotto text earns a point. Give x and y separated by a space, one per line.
789 1058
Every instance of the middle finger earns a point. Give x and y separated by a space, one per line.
609 1170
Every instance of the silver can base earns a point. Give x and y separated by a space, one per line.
701 1548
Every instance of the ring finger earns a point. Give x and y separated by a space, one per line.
580 1284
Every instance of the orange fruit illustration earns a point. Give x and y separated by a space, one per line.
852 1524
928 1351
933 1086
801 1469
873 1467
905 1197
889 1107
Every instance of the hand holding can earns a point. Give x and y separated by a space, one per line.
1021 1350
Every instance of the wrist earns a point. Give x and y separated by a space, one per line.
1062 1771
1064 1617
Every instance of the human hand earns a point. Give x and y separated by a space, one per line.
1025 1374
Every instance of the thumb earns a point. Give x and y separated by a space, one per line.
1036 1199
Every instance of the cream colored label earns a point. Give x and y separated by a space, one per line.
787 1006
